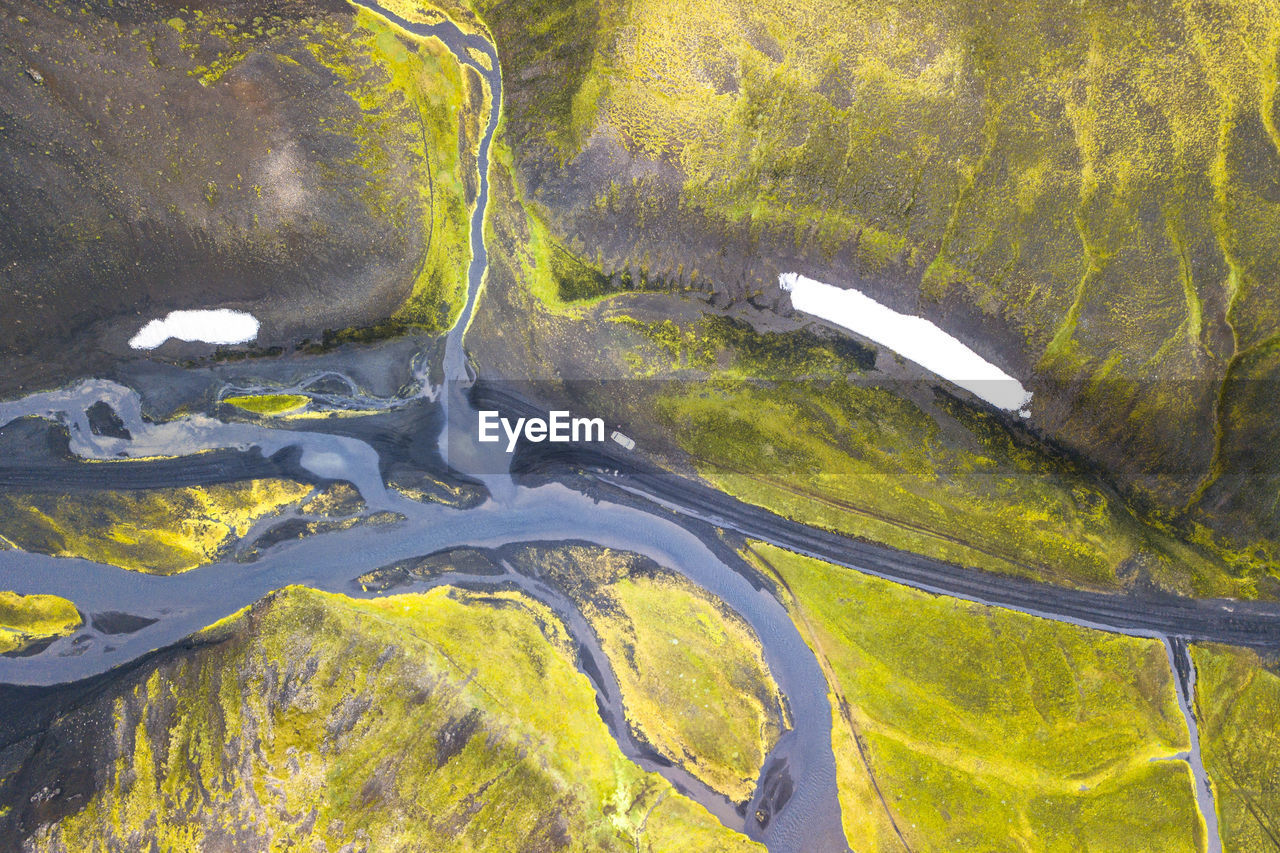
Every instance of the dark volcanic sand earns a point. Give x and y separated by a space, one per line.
129 188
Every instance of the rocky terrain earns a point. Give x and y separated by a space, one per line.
291 159
1087 195
439 721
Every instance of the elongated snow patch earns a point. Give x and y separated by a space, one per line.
219 326
914 338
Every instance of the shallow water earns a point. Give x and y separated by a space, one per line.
185 603
1184 685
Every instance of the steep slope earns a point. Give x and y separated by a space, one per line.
1086 194
447 720
293 159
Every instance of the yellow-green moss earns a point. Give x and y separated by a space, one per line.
338 500
1238 708
447 720
985 729
692 674
1092 185
269 404
424 102
535 257
860 459
25 619
691 679
805 427
158 531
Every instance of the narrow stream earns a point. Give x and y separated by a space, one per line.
1184 682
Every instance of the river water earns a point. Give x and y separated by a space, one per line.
808 820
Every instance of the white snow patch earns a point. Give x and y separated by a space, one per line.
220 326
911 337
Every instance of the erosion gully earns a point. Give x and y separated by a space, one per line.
797 785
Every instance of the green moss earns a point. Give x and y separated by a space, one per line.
878 249
564 282
674 647
340 500
730 347
797 422
447 720
673 348
986 729
1238 709
813 438
298 528
1093 184
160 531
269 404
25 619
561 45
217 42
945 481
577 281
420 99
692 674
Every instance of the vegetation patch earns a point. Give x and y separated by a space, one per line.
1091 189
694 682
157 531
1238 709
566 281
959 726
927 476
268 404
338 500
441 109
799 420
730 347
447 720
28 619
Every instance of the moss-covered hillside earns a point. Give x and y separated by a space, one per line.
974 728
448 720
1237 699
1086 193
295 159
